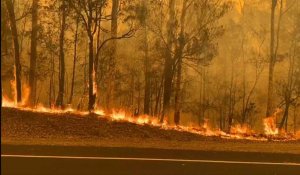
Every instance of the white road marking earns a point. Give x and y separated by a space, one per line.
151 159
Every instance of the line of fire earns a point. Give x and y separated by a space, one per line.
182 73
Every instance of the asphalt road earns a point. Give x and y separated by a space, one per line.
135 161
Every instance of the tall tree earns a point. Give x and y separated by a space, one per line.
290 91
147 73
178 56
14 31
33 53
74 60
62 67
112 61
196 46
272 61
90 14
168 65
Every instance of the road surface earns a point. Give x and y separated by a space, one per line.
62 160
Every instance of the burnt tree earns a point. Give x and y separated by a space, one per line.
272 61
168 65
14 31
62 67
33 52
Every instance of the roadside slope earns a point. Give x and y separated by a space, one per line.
33 128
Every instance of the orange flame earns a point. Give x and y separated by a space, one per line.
236 132
25 94
7 102
270 127
241 129
297 135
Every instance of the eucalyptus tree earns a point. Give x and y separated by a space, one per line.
33 52
188 46
91 13
14 31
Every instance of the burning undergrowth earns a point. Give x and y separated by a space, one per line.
271 132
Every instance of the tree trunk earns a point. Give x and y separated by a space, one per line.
178 93
80 104
13 25
285 116
92 94
74 61
132 79
147 95
232 91
139 97
33 54
98 70
202 97
158 97
168 67
61 78
52 86
91 75
4 31
295 120
112 62
272 62
181 41
221 119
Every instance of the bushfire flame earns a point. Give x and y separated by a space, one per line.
236 132
270 124
6 101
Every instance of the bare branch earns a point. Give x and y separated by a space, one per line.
128 34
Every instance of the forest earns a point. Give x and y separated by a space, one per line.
224 63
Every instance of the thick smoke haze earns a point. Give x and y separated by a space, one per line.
185 61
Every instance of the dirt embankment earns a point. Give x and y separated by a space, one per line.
26 127
18 123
